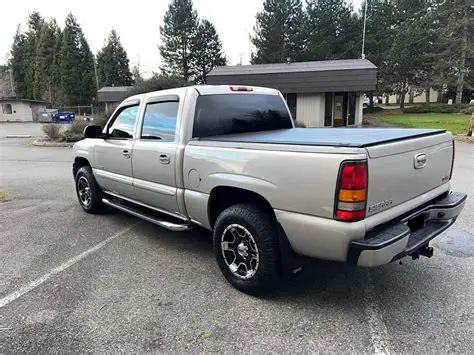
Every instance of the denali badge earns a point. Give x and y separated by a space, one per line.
380 206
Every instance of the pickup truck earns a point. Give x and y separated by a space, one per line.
228 158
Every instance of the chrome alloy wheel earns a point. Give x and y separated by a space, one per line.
84 191
240 251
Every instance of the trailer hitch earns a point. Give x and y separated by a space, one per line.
424 251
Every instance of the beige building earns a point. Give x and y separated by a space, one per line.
419 98
319 94
19 110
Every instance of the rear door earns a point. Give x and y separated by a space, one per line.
400 171
113 155
154 154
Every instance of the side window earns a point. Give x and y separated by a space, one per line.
159 121
7 109
123 125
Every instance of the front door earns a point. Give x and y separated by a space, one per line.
340 109
154 155
113 155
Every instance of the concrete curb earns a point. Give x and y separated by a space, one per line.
19 136
42 143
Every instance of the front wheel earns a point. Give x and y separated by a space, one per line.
88 192
246 248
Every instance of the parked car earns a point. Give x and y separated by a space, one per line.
227 158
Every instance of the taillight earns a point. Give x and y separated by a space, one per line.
351 192
452 161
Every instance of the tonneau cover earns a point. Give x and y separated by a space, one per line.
342 137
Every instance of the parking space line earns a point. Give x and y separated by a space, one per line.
38 282
373 315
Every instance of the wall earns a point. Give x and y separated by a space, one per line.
310 109
21 111
419 99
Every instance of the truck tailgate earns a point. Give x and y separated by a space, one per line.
400 171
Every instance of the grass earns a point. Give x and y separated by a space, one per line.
454 122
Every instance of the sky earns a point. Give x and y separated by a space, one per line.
137 24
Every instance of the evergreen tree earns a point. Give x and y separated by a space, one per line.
46 46
280 32
35 23
207 50
334 31
18 63
112 63
76 65
177 33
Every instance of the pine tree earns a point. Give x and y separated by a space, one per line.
113 64
280 32
35 23
76 65
177 33
44 61
18 63
207 50
333 29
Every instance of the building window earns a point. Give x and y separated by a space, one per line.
328 109
7 109
291 102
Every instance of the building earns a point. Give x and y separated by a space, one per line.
20 110
418 98
319 94
111 96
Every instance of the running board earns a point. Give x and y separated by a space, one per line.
120 205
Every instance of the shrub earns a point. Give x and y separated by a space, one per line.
468 110
299 124
433 108
78 126
52 131
70 136
372 109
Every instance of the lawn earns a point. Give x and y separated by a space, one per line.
454 122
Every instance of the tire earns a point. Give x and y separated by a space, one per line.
88 192
232 246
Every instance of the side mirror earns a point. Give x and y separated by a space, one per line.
93 131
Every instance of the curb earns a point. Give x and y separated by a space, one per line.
19 136
41 143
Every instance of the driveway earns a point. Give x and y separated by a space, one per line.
72 282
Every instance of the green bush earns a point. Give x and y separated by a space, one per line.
468 110
372 109
454 108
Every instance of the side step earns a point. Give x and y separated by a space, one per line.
147 216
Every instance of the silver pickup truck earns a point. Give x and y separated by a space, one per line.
228 158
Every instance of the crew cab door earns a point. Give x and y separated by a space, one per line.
113 155
154 154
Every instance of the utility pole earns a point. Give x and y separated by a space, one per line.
363 31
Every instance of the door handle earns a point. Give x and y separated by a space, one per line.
126 153
164 159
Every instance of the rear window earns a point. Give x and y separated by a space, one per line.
239 113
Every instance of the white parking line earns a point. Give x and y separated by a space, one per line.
38 282
373 315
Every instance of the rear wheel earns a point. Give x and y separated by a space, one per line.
88 192
246 248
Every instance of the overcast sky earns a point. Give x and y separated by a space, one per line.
137 22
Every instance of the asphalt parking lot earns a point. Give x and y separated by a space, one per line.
73 282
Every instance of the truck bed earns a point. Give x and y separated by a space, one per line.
340 137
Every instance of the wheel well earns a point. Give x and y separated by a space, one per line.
79 162
225 196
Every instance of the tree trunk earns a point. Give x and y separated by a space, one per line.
440 96
427 95
462 63
387 101
411 96
402 100
371 100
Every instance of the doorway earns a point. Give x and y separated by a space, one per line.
340 109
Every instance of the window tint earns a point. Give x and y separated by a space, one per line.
159 121
239 113
124 123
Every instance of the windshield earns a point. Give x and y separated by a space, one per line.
239 113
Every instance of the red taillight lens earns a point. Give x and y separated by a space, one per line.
350 215
351 193
353 176
240 88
